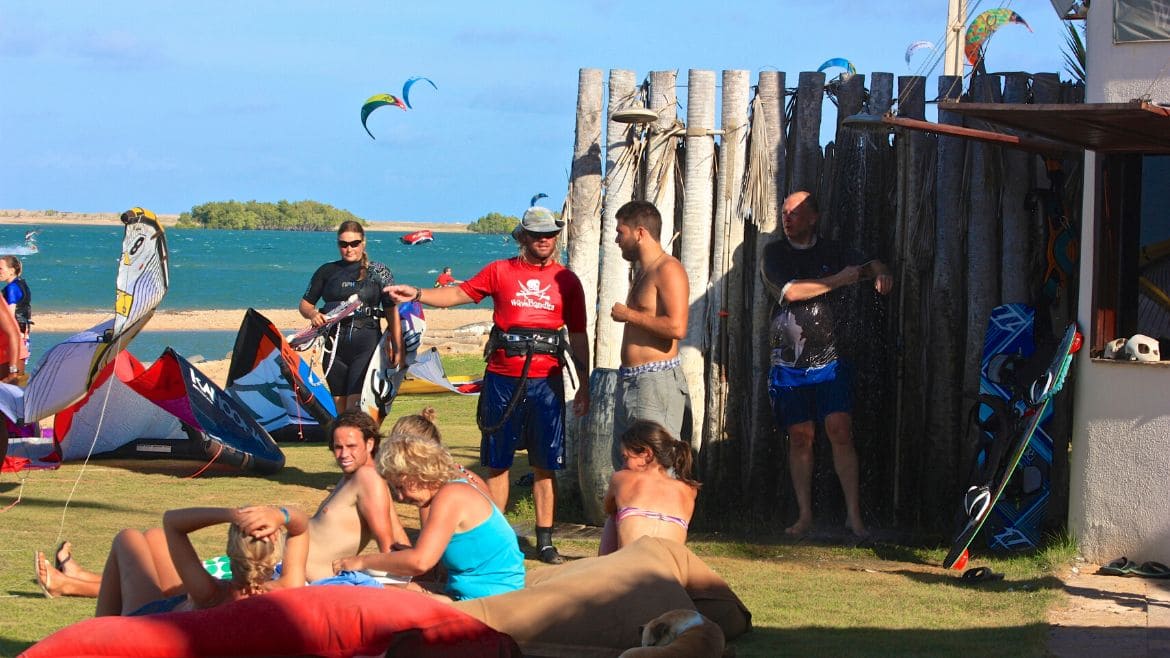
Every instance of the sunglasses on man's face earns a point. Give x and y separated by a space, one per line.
352 244
540 236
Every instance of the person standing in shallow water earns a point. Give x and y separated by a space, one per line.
808 383
349 347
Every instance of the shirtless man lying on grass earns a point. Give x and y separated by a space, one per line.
357 510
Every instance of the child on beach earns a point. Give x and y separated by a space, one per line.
654 494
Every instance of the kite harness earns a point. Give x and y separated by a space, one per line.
521 341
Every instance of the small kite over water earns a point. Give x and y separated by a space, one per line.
410 83
984 25
839 62
537 197
374 102
916 46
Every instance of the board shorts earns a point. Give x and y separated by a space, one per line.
793 405
654 391
537 424
347 366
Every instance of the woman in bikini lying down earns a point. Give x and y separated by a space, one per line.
654 494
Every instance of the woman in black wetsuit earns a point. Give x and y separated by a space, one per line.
357 336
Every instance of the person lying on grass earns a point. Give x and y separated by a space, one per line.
463 530
358 510
654 494
134 584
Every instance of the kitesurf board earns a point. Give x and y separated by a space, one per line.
980 500
383 378
310 333
1016 521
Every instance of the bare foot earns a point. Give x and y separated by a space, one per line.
858 529
44 574
65 563
798 529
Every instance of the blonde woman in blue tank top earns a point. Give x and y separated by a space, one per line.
463 530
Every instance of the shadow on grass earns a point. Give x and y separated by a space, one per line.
1005 585
55 504
868 641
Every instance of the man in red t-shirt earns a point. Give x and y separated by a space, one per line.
446 279
534 297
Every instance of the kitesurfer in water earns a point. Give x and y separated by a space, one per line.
350 345
808 383
446 279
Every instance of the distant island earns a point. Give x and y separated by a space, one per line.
259 216
34 218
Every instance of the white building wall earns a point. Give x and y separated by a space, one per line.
1119 503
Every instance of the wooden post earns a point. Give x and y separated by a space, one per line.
938 475
696 235
660 157
984 234
806 152
1018 244
915 255
620 174
763 473
585 197
725 313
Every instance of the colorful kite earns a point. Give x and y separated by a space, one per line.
839 62
410 83
374 102
917 45
984 24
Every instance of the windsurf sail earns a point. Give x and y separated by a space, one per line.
169 410
271 380
66 371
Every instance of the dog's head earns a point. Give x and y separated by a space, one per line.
663 629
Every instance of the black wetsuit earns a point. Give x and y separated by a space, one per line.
356 337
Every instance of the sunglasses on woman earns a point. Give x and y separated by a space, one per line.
341 244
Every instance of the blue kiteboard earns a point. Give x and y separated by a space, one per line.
1018 416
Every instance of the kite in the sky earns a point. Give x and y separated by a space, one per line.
410 83
984 24
917 45
536 198
839 62
374 102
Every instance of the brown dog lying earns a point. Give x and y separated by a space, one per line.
680 634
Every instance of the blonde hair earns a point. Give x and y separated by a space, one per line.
421 425
407 456
253 561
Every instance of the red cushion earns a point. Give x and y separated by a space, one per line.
325 620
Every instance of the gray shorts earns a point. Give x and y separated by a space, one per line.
658 395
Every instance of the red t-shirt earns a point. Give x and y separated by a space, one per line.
529 296
445 279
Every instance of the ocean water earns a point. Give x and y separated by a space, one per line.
76 268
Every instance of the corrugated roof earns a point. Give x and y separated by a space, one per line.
1133 127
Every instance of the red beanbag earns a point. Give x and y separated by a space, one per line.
327 620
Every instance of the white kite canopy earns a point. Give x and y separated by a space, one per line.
65 373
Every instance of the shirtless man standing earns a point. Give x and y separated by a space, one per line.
357 510
651 385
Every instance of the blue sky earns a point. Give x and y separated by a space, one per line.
109 105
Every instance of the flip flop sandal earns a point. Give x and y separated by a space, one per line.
1152 569
1122 566
980 575
57 561
43 584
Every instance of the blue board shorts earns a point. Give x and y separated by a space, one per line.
793 405
537 424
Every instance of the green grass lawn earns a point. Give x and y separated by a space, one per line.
805 599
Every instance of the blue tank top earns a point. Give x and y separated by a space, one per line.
485 560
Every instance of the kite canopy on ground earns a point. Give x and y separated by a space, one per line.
169 410
66 371
984 25
271 380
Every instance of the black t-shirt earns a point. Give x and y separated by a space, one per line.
803 333
335 282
